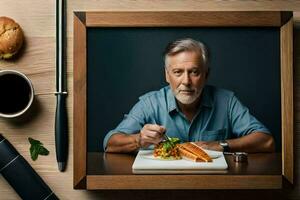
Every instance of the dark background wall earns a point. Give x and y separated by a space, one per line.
124 63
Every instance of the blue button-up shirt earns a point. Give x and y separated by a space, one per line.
220 116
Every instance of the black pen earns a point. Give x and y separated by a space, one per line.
61 121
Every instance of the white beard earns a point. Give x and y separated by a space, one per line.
187 98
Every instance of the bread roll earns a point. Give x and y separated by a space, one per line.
11 37
193 152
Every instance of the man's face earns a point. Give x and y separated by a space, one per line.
186 76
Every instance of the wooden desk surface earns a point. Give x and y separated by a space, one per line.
121 164
265 168
37 60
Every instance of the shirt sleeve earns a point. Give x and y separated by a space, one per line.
242 122
132 122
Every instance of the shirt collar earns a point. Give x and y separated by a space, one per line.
206 99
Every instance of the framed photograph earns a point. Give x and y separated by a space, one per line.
118 57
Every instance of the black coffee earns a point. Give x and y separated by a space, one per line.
14 93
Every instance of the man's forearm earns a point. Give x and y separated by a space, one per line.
254 142
123 143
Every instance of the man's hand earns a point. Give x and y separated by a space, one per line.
151 134
124 143
213 145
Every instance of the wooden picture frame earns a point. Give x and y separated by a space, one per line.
83 20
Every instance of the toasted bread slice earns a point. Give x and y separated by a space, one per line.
188 155
193 152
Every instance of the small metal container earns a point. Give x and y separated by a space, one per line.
240 157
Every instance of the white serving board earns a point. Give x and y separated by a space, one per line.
146 163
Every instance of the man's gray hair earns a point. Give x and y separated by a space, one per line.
187 44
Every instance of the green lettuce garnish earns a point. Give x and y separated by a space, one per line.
170 143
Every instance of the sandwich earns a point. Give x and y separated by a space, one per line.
191 151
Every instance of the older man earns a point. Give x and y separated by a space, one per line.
190 110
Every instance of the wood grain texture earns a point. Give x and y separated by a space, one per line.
80 125
37 19
184 18
287 91
184 182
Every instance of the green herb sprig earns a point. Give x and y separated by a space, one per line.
171 142
37 149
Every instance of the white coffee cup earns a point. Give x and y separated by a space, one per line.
16 93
